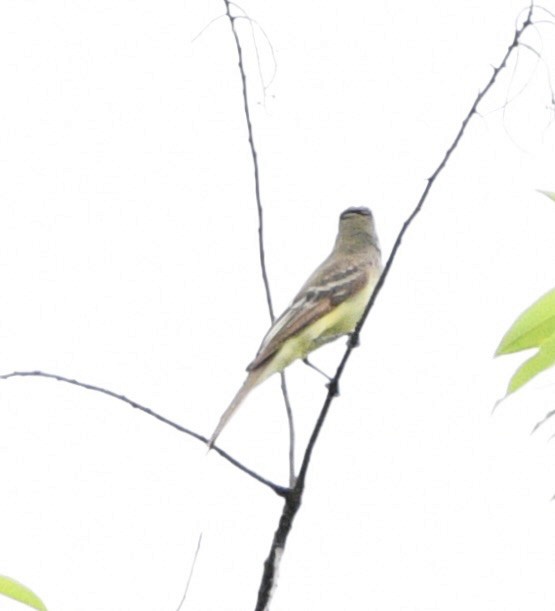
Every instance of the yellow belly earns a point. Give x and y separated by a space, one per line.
339 321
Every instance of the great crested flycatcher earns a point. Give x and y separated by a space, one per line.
329 305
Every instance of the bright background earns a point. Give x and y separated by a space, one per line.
128 259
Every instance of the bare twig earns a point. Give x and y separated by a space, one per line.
207 26
291 427
259 208
279 490
294 498
184 597
543 420
254 156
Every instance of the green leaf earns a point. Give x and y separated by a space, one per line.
17 591
542 360
532 328
550 194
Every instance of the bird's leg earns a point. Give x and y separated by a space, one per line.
307 362
332 382
354 340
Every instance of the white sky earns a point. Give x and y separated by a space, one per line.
128 259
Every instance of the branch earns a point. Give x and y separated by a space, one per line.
293 499
259 208
193 564
279 490
547 416
254 156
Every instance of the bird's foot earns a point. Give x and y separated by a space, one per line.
333 387
307 362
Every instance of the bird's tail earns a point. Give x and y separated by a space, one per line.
254 378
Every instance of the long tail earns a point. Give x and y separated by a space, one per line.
254 378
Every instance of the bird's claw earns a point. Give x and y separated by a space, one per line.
333 387
354 340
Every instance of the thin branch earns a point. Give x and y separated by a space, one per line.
293 499
539 7
262 256
543 421
252 22
193 564
291 427
551 107
473 109
211 22
279 490
254 156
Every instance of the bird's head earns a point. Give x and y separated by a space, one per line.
357 229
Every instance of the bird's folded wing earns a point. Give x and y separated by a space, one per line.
322 292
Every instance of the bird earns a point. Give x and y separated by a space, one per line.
329 305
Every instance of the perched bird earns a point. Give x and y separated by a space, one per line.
329 305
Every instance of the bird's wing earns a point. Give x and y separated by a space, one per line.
324 290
